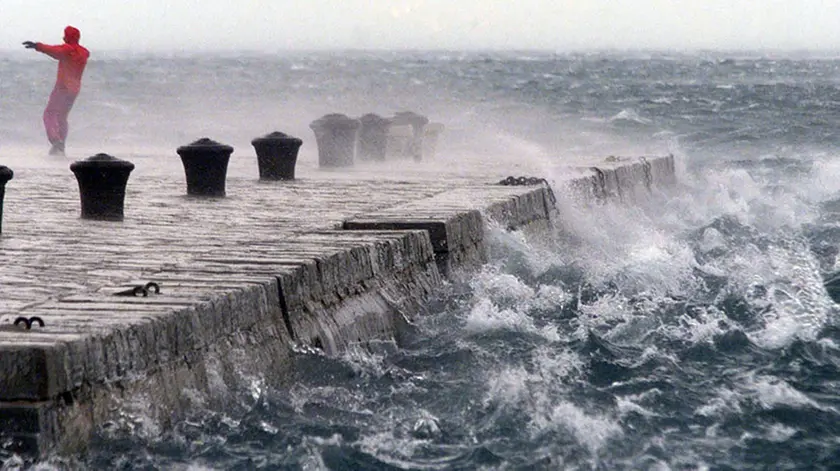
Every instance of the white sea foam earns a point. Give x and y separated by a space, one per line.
616 243
502 288
508 386
702 325
800 307
726 401
549 372
137 417
628 404
767 391
641 252
312 450
536 394
551 297
365 362
590 430
486 316
780 433
712 240
825 181
771 392
631 116
193 467
556 366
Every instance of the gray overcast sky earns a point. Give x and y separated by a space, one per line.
185 25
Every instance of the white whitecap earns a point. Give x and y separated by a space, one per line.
629 115
772 392
725 402
590 430
486 316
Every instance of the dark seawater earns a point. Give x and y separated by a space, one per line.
696 330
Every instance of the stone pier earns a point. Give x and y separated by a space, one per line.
323 262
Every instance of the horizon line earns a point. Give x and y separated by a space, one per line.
470 50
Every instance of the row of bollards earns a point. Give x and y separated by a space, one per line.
103 179
205 162
341 138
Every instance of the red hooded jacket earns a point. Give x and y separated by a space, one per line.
72 59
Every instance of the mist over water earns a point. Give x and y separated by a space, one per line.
149 104
693 330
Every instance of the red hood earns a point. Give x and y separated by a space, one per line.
72 35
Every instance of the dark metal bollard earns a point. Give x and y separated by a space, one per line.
6 174
336 135
373 136
277 155
102 181
205 164
417 123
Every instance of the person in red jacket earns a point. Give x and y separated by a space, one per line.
72 58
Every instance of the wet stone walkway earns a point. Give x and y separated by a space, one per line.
48 252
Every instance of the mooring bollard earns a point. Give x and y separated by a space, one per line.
399 141
277 155
373 136
6 174
417 123
431 135
205 164
102 181
336 135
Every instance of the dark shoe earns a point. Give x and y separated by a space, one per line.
57 148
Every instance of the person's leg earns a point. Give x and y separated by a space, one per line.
51 117
63 125
55 118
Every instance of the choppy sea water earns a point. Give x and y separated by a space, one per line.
695 330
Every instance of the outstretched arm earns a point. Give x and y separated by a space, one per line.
56 52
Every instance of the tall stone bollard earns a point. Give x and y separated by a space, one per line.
277 155
399 141
336 135
417 123
431 135
6 174
102 181
373 137
205 164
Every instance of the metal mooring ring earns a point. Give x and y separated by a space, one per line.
140 290
135 291
153 285
28 323
25 322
